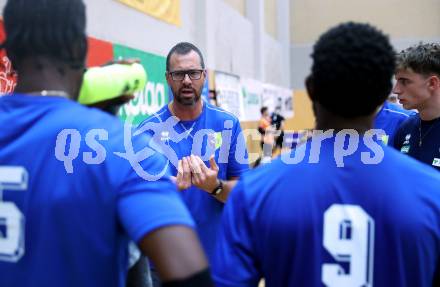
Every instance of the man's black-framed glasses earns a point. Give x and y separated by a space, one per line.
192 74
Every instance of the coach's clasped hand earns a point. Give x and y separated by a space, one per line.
192 170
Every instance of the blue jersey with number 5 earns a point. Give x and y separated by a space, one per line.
323 223
69 204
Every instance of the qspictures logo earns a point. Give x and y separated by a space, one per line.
165 134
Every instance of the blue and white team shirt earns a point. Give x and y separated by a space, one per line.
420 139
214 132
69 204
389 118
313 223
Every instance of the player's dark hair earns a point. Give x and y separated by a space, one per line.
352 68
423 58
184 48
263 110
54 29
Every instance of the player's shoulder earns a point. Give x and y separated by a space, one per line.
219 113
265 179
116 132
397 110
122 145
87 118
409 124
410 171
260 190
157 117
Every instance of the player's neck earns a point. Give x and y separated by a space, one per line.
432 109
327 121
33 85
359 125
35 78
186 113
42 74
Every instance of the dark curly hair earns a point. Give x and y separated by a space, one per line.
423 58
184 48
352 68
49 28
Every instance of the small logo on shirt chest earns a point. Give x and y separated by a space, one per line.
215 140
436 162
405 149
165 136
407 138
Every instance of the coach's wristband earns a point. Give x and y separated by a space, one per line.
218 189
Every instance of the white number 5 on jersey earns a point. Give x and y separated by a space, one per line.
11 219
349 238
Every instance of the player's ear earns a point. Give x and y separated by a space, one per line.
434 82
168 78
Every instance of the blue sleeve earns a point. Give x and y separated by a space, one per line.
234 262
238 146
147 204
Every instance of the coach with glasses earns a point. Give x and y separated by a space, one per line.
205 141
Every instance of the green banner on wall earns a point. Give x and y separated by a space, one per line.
155 94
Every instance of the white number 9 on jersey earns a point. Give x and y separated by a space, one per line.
11 219
349 238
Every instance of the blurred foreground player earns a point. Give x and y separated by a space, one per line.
68 204
344 215
138 274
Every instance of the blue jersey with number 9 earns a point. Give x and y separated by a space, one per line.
321 221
